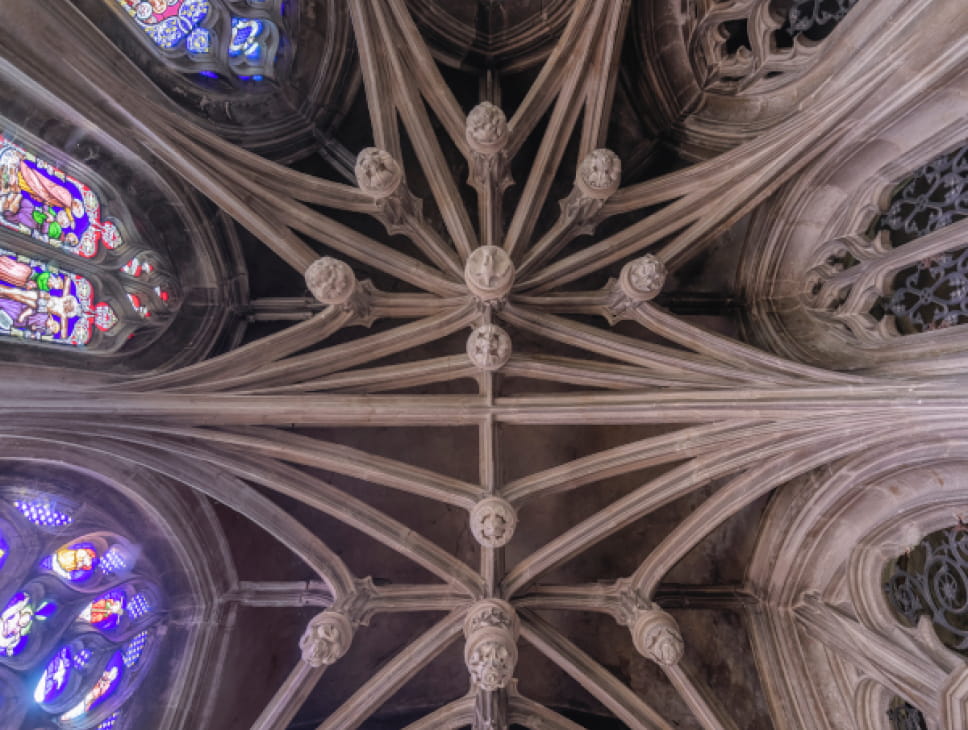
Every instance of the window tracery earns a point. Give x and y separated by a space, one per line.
905 273
905 716
68 275
932 580
81 616
740 44
230 39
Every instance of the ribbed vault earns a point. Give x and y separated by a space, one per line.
531 439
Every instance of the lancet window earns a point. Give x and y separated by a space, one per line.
907 273
69 275
217 38
741 44
81 616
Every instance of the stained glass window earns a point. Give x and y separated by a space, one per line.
190 26
44 512
55 677
64 296
76 563
168 24
81 629
17 621
105 686
43 202
106 611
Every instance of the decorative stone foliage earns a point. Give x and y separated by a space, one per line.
330 280
489 347
643 278
491 651
656 636
326 639
487 128
599 174
493 521
489 273
377 173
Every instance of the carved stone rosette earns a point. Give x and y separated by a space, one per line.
656 636
487 128
599 174
489 273
493 521
489 347
326 639
331 281
377 173
491 652
643 278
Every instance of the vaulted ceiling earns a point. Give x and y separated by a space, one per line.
495 283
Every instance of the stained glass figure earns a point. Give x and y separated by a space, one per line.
170 22
75 563
106 611
43 512
41 201
41 303
103 688
134 649
55 677
17 620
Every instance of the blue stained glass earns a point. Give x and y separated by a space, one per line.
4 550
199 41
82 657
103 688
247 37
105 612
75 563
134 649
114 561
44 512
55 677
110 722
17 621
168 23
139 606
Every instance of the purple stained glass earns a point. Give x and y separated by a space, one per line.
110 722
55 677
114 561
169 22
41 201
139 606
17 621
105 686
44 512
41 303
75 563
82 657
105 612
4 550
134 649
